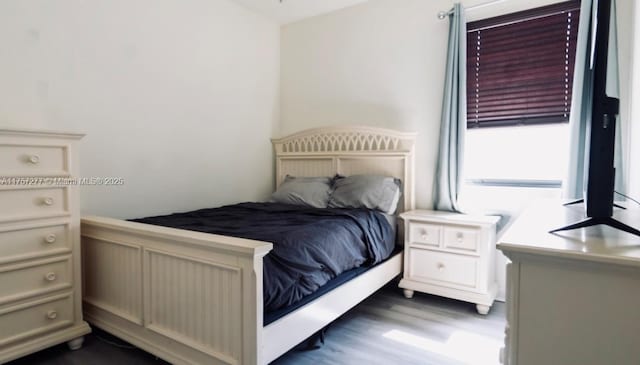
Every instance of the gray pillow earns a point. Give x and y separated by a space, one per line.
309 191
366 191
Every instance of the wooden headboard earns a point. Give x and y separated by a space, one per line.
349 150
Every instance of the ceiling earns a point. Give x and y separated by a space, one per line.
289 11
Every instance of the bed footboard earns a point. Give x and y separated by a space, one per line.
187 297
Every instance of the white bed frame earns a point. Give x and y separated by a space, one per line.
196 298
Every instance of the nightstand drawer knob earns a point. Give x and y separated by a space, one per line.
52 314
50 276
50 238
34 159
460 237
47 201
424 234
440 266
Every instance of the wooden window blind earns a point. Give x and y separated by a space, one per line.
520 66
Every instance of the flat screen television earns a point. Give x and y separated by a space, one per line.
600 177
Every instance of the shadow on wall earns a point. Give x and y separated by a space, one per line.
500 199
369 114
512 200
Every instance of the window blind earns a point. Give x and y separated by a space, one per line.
520 66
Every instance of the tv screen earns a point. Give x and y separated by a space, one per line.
602 137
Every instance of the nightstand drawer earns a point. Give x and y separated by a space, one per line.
426 265
33 160
424 234
31 319
459 238
19 204
34 278
33 242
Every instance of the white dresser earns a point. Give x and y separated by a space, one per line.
40 298
572 297
451 255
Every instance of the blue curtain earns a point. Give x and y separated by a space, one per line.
581 102
613 90
448 178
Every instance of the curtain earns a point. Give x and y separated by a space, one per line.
580 116
581 103
613 90
448 179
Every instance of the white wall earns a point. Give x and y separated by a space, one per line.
179 98
377 64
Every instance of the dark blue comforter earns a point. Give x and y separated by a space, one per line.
310 245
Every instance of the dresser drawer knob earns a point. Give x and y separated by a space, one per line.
52 314
51 276
460 237
440 266
50 238
424 234
34 159
47 201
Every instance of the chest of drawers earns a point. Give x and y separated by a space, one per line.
451 255
572 297
40 291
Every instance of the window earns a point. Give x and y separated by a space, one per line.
520 76
520 67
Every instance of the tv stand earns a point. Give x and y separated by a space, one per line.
596 221
580 201
574 202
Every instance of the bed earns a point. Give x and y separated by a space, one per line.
197 298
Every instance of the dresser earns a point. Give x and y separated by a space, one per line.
40 297
451 255
572 297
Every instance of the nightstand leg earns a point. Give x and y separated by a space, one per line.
483 309
408 293
76 343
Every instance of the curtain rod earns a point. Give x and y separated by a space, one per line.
444 14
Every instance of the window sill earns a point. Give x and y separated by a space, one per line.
516 183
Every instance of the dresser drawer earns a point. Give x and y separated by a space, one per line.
31 319
426 265
33 203
33 160
34 278
424 234
33 242
460 238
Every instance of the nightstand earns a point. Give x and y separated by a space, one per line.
451 255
